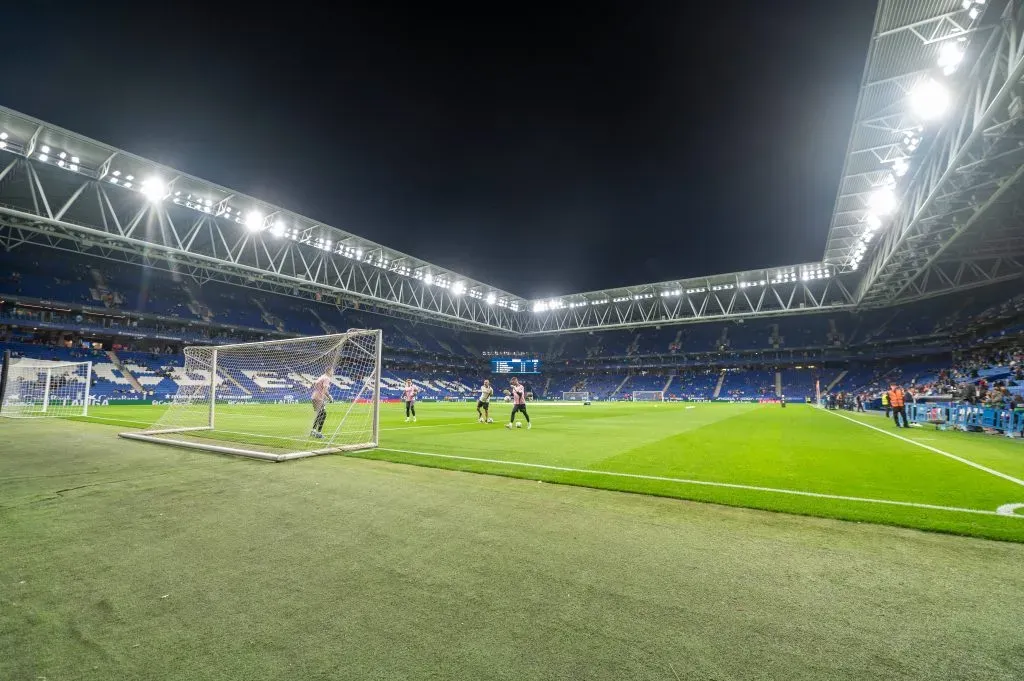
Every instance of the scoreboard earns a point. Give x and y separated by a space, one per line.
515 365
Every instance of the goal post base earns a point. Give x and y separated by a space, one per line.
153 436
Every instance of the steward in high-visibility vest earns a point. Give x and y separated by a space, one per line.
895 396
885 404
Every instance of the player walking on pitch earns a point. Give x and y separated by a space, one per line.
320 397
483 405
518 403
409 396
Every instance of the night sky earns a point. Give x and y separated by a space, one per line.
545 149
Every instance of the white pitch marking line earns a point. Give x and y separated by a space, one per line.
988 470
1009 509
705 483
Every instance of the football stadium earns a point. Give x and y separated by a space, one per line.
240 443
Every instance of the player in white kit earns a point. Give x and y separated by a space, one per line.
483 405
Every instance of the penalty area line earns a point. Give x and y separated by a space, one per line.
972 464
706 483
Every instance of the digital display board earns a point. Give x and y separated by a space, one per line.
515 365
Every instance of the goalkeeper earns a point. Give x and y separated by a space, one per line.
320 397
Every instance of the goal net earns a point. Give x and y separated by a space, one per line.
34 388
276 400
575 396
649 396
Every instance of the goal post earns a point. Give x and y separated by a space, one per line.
649 396
576 396
276 400
39 388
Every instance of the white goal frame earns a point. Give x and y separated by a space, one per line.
44 405
648 395
576 396
206 397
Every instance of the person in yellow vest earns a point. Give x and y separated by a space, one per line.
885 404
896 401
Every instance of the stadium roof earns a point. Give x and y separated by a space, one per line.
205 221
933 156
914 42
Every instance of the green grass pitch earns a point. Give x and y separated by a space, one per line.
130 560
799 459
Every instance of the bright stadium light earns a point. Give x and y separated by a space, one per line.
428 278
3 135
950 56
491 299
458 288
154 189
873 221
254 220
882 201
900 167
278 229
929 100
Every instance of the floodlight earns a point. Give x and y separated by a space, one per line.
154 189
74 159
3 135
966 4
538 307
45 149
882 201
428 278
873 221
900 167
128 185
950 56
43 157
278 229
254 220
129 177
359 252
929 100
3 144
116 173
491 298
62 154
73 167
459 287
